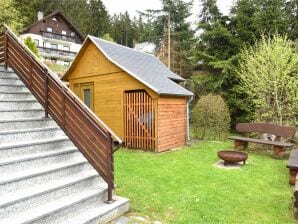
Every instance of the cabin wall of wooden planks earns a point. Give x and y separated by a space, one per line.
171 122
110 84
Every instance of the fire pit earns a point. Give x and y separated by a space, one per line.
232 157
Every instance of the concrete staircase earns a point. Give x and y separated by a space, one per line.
44 178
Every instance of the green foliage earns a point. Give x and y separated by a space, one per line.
268 74
10 15
31 45
108 37
123 30
211 117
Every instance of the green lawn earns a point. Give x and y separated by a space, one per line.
183 186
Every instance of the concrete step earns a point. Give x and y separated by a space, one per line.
26 123
27 199
4 95
13 88
19 113
12 182
101 213
5 81
8 75
25 148
5 70
23 163
58 208
20 104
44 178
29 134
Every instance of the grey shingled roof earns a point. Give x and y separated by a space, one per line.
144 67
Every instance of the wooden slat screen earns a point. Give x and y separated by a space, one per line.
58 101
139 120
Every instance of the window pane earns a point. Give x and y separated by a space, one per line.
63 32
87 97
54 46
49 29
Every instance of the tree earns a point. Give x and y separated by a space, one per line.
268 74
291 9
173 35
10 16
211 117
123 29
98 18
31 45
108 37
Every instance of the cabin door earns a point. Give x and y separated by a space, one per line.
85 92
139 120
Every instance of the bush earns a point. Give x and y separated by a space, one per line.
31 45
211 118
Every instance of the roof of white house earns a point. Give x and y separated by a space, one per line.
142 66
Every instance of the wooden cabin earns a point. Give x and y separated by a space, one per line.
136 95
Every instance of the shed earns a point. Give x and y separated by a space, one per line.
135 94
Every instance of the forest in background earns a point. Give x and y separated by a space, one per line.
206 54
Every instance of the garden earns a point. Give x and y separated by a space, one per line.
187 185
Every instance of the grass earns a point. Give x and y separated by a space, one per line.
59 69
183 186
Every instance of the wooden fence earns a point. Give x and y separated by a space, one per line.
139 120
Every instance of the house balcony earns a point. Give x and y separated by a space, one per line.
58 36
52 52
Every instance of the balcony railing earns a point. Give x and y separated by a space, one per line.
58 36
56 52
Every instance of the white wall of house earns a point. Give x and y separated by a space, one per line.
47 43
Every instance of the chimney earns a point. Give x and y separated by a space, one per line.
39 15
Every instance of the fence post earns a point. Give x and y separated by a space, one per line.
5 48
110 168
46 93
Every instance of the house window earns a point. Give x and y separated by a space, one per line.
72 34
53 60
36 42
63 32
54 19
85 92
66 48
49 29
54 46
66 63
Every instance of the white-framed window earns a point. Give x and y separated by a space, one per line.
54 46
49 29
63 32
66 63
54 19
72 34
66 48
36 42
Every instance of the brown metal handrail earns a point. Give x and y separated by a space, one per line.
86 131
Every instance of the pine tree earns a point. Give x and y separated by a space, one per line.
10 15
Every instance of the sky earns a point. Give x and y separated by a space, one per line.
117 6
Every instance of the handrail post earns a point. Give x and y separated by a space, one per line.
110 168
46 94
5 48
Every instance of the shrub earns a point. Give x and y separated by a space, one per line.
31 45
211 118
